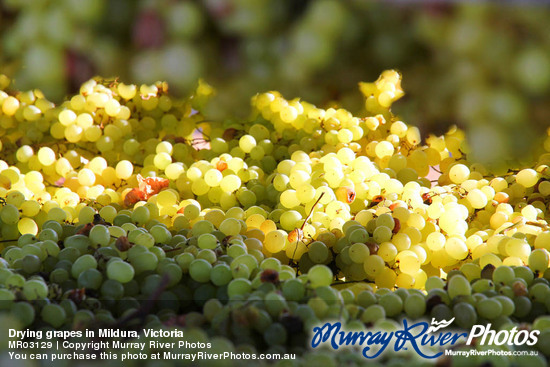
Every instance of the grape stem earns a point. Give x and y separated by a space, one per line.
300 236
311 211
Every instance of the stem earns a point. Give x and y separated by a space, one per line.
311 211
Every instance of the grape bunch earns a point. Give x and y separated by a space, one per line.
127 207
481 66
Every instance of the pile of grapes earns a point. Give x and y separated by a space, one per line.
126 208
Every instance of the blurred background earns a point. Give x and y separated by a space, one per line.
483 66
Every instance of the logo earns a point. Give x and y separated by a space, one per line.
427 340
510 337
374 343
439 325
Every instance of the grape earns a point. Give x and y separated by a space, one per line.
141 215
9 214
120 271
523 306
274 241
504 275
144 261
112 288
239 286
441 312
124 169
230 227
90 279
99 235
53 314
373 265
221 275
508 306
382 234
35 289
527 177
23 312
207 241
465 315
392 304
414 306
83 263
489 308
385 220
318 252
459 173
538 260
319 275
373 313
199 270
275 334
456 248
458 285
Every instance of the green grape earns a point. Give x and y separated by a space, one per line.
275 303
207 255
293 290
90 279
539 292
319 275
275 334
83 263
489 308
145 239
318 252
538 260
392 304
200 270
230 227
221 274
207 241
24 312
59 276
53 314
471 271
524 273
35 289
373 265
482 285
144 261
382 234
458 285
78 243
120 271
414 306
373 313
508 306
31 264
385 220
238 287
434 282
465 315
141 215
48 234
441 312
113 289
240 271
